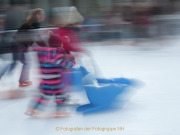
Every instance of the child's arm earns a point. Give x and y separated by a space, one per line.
70 61
65 61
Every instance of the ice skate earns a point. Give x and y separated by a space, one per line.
24 84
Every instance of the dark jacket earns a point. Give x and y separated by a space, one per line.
27 35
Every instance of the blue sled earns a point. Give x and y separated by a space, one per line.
102 96
76 78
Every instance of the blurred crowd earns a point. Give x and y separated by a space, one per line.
120 21
135 20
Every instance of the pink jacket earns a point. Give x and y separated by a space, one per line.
75 44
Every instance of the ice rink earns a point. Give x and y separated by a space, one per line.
152 109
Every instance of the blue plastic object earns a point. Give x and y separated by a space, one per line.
102 96
118 81
77 77
74 77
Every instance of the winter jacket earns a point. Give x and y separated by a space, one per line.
75 44
53 63
27 35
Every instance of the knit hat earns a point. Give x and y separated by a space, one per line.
54 41
74 16
64 16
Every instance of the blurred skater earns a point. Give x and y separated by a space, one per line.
69 20
53 63
16 15
25 37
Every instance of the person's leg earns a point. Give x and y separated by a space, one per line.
13 63
60 99
24 73
4 69
5 63
37 105
24 77
61 110
9 66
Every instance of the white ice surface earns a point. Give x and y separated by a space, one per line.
152 110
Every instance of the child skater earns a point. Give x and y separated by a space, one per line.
69 20
53 63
